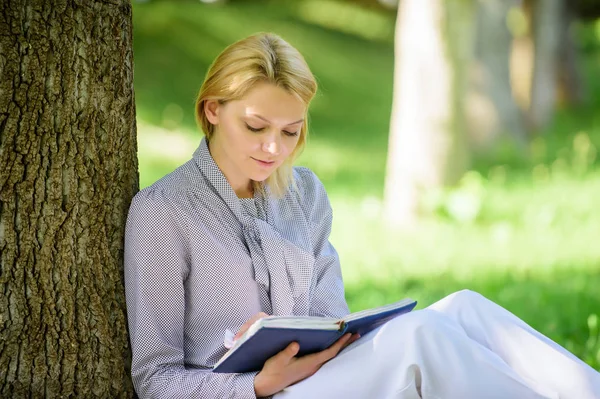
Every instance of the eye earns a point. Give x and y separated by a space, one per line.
254 129
290 134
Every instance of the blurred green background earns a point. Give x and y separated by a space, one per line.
522 230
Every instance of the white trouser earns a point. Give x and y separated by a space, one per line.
463 346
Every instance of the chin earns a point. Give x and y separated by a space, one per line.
259 178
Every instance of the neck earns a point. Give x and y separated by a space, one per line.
242 187
245 193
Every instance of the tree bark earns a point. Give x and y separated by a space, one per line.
427 146
68 170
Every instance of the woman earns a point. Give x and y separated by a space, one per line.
237 233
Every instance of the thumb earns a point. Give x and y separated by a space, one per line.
291 350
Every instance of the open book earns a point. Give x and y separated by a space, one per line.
270 335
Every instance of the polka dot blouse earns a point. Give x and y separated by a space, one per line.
200 261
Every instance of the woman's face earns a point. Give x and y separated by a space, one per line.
254 135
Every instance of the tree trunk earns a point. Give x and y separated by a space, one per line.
547 15
427 146
68 170
521 60
571 82
491 108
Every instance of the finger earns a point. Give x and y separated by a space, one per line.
292 349
282 359
352 339
248 324
333 350
289 352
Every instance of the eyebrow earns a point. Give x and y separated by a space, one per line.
266 120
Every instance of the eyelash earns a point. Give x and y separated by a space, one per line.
254 130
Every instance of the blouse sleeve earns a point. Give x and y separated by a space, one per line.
328 294
156 266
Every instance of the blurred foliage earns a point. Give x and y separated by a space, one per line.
175 42
521 230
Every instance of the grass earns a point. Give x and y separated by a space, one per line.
522 231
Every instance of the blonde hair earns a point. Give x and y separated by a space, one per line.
263 57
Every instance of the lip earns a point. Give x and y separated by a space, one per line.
264 163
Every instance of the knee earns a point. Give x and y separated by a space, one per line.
465 299
466 296
460 302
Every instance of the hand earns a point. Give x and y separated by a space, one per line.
285 369
247 324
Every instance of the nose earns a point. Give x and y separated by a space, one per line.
272 145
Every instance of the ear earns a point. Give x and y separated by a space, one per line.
211 110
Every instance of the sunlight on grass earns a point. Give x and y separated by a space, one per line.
161 150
